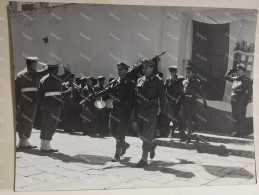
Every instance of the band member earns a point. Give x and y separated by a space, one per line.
122 91
102 117
70 107
99 86
161 75
94 81
150 94
191 90
82 83
174 89
240 97
50 96
26 90
88 108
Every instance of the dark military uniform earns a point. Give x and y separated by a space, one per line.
191 89
150 95
240 96
101 114
88 111
50 93
174 89
71 107
26 90
122 93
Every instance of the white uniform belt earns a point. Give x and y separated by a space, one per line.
29 89
53 93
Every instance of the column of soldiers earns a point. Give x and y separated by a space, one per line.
148 101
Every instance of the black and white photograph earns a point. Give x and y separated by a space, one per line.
111 96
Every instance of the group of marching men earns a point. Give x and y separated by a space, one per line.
150 101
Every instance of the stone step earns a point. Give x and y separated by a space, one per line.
221 138
221 149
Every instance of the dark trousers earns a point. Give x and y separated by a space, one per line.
50 118
189 111
172 115
70 116
146 121
238 105
119 122
88 119
25 118
37 119
102 120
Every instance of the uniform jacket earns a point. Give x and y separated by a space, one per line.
122 92
150 92
27 79
71 96
192 89
173 87
52 83
240 85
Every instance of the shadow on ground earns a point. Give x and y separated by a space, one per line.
79 158
231 172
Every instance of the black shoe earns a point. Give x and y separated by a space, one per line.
27 147
152 152
115 159
142 163
49 151
123 150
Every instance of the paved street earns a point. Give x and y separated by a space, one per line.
83 162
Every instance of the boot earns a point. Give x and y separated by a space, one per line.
116 157
141 164
125 147
45 146
25 144
152 151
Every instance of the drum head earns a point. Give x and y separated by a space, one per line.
99 104
109 103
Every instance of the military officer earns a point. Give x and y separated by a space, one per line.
174 89
150 97
121 90
26 90
240 97
50 95
192 89
100 85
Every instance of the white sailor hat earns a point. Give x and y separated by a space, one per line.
32 58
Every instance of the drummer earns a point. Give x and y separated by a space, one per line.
102 117
122 91
88 108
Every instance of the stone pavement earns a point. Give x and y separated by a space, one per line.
83 162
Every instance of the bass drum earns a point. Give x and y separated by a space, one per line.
109 103
100 104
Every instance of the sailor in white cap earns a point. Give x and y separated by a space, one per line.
26 90
50 99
